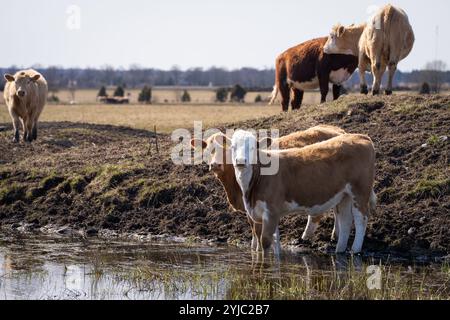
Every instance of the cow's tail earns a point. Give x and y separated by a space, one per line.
274 95
372 202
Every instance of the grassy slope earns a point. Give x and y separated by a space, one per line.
94 177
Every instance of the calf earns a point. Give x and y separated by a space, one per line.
25 95
335 173
387 39
307 67
218 153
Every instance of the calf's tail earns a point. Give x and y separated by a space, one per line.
274 95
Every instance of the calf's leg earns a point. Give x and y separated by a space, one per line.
335 233
360 229
311 227
345 219
269 228
285 92
392 68
34 131
324 82
378 70
362 67
336 91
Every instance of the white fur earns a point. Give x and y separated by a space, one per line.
344 218
360 229
339 76
307 85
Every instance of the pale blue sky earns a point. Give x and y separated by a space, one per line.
195 33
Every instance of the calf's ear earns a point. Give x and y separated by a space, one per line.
340 31
36 77
198 142
265 142
9 78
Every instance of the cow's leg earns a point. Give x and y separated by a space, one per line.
34 131
345 219
257 229
392 68
311 227
28 130
297 100
335 233
361 220
285 92
276 242
16 125
324 82
378 70
336 91
362 67
269 227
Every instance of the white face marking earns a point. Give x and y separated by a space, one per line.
332 47
339 76
307 85
243 155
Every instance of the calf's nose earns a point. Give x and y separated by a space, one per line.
21 93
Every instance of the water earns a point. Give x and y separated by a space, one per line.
41 267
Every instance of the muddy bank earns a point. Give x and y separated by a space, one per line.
95 178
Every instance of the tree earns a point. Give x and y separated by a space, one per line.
238 93
425 88
145 95
434 74
102 92
258 98
221 94
186 97
119 92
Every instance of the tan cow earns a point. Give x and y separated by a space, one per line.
381 43
310 180
217 159
25 95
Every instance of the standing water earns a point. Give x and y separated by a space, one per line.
41 267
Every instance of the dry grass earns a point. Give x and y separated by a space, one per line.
165 117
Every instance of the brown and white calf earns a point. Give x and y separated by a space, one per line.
25 95
381 43
217 154
335 173
307 67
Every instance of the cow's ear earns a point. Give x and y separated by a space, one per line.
9 78
223 141
265 143
198 142
340 31
36 77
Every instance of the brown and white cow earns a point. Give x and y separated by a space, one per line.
381 43
25 95
307 67
310 180
218 153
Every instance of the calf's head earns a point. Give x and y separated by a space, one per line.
22 83
216 150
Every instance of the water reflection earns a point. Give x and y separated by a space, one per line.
62 268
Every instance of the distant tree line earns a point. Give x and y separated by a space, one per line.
249 78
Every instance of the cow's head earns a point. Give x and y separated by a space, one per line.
22 83
343 40
216 150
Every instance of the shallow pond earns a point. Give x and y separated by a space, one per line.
41 267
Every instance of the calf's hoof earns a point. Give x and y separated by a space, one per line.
364 90
375 92
388 92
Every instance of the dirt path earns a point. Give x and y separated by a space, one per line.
94 177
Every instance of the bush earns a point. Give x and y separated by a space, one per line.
102 92
221 94
53 98
258 98
425 88
238 94
145 95
119 92
186 97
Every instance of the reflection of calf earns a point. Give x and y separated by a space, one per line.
311 180
307 67
217 160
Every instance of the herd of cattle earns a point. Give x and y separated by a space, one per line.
320 168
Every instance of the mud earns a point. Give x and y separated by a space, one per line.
97 179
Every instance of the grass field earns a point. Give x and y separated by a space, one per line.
166 117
